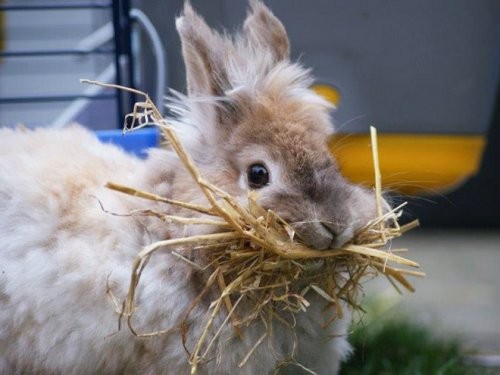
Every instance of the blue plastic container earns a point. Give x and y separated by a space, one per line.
136 142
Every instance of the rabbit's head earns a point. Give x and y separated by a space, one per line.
251 122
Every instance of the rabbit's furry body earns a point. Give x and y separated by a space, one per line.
62 249
61 252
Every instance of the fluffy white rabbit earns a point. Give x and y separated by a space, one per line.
250 121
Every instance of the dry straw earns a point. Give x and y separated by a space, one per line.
255 258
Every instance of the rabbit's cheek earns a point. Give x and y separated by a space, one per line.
242 182
364 207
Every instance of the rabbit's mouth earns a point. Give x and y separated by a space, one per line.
322 235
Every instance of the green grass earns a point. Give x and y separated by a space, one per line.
403 348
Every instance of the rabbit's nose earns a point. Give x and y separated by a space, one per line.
321 235
315 234
341 234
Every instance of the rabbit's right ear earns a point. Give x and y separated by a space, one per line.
202 49
264 30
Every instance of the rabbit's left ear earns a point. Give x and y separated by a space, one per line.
203 50
263 30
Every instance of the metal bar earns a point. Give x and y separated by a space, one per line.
56 6
54 98
118 52
69 52
127 44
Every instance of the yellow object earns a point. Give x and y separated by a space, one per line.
413 164
330 93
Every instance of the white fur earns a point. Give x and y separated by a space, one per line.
60 250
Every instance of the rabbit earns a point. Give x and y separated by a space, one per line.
250 122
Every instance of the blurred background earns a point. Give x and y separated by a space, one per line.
425 73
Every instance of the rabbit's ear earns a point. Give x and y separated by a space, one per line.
263 30
202 48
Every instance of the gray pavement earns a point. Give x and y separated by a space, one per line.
460 296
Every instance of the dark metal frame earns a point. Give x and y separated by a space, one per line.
121 50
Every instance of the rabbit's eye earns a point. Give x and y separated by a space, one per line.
258 176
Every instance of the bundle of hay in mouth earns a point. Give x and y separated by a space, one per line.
256 257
